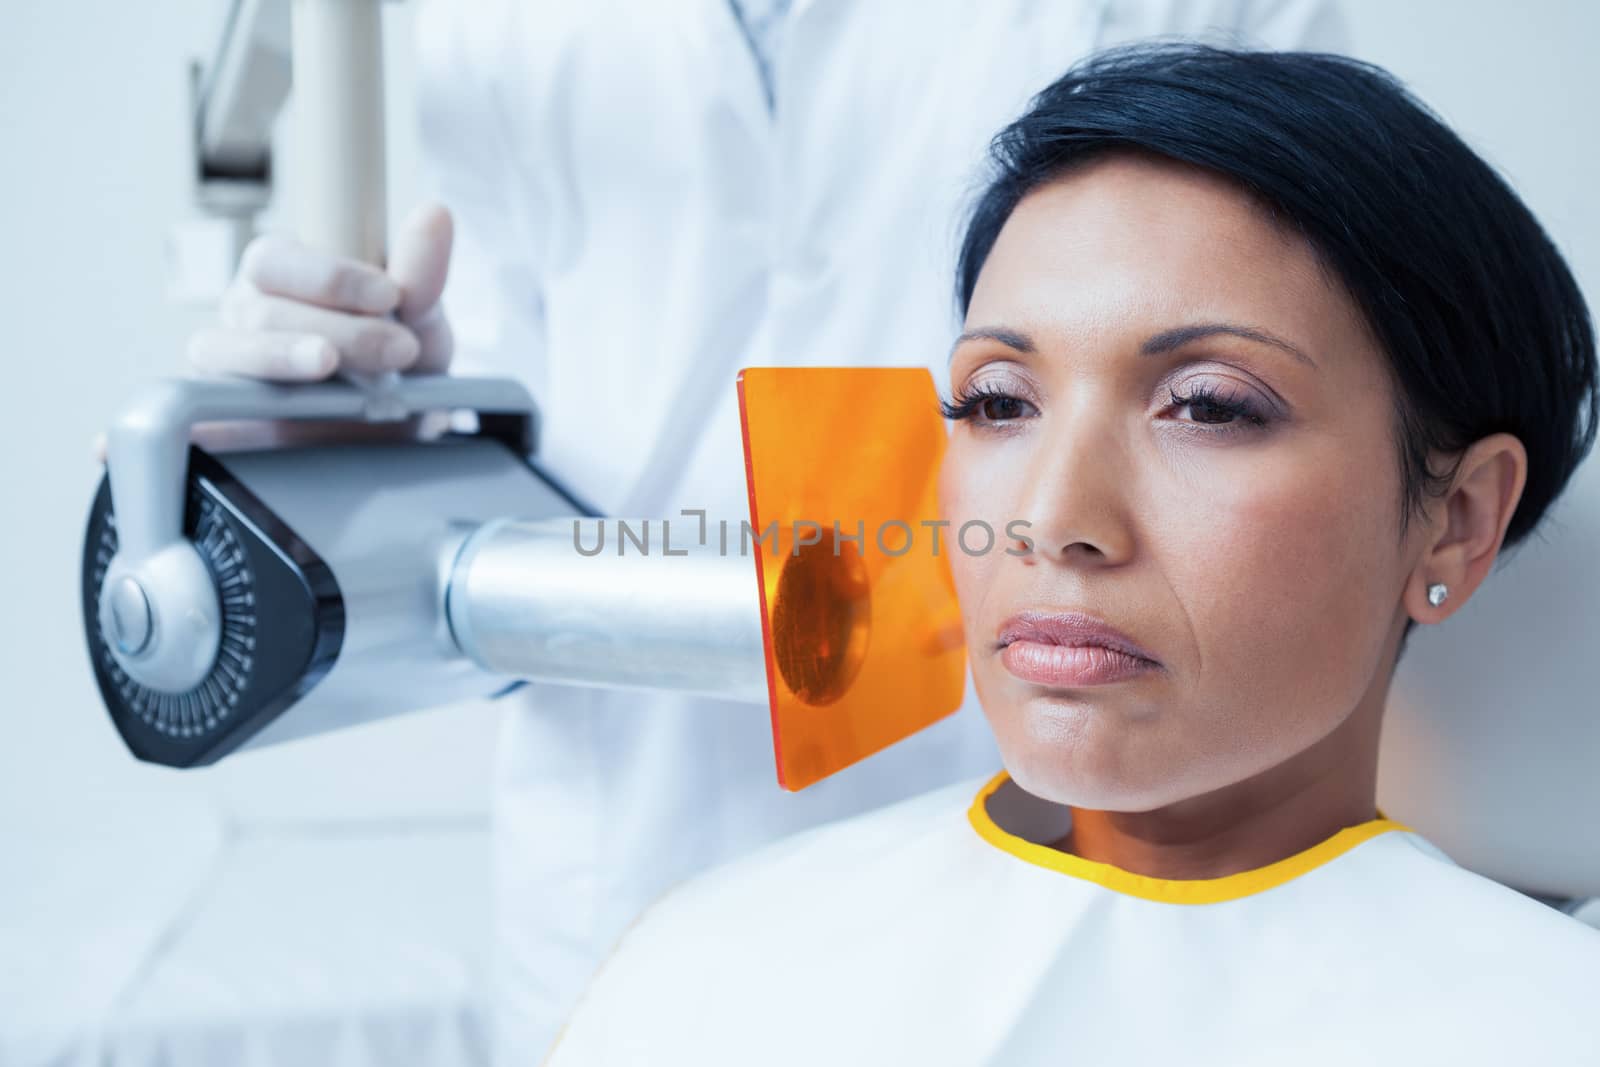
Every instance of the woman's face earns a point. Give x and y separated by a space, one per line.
1244 536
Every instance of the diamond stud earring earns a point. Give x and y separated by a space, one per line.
1436 593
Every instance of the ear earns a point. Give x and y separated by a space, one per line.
1475 513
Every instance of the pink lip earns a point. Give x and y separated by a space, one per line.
1069 649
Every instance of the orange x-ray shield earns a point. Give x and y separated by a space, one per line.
859 616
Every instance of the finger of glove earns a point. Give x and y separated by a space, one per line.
365 343
436 342
280 356
420 259
280 266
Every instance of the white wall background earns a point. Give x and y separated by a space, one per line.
93 172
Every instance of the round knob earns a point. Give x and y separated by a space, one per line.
130 617
162 618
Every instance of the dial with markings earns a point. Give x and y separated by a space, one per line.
203 708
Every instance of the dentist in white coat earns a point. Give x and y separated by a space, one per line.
643 198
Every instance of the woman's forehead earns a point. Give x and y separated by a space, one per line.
1132 241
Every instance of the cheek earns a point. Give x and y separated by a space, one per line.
1288 581
973 489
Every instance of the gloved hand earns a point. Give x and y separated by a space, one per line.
297 314
294 314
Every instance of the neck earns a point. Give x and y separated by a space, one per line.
1284 810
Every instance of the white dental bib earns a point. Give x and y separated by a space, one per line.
942 930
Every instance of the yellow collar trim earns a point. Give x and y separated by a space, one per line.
1170 890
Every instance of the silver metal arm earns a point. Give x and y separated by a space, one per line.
241 90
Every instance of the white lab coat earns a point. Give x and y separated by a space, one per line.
944 931
633 226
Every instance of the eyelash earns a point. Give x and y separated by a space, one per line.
966 405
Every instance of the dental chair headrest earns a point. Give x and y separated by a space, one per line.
1491 741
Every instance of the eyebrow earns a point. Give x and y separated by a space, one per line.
1158 344
1010 338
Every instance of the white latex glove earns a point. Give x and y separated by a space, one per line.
294 313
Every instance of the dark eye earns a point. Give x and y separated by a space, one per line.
985 404
1000 408
1209 406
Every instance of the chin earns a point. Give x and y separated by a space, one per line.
1069 753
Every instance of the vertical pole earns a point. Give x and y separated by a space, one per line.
337 117
338 122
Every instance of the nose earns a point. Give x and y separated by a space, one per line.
1076 497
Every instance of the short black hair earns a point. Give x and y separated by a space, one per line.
1484 328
